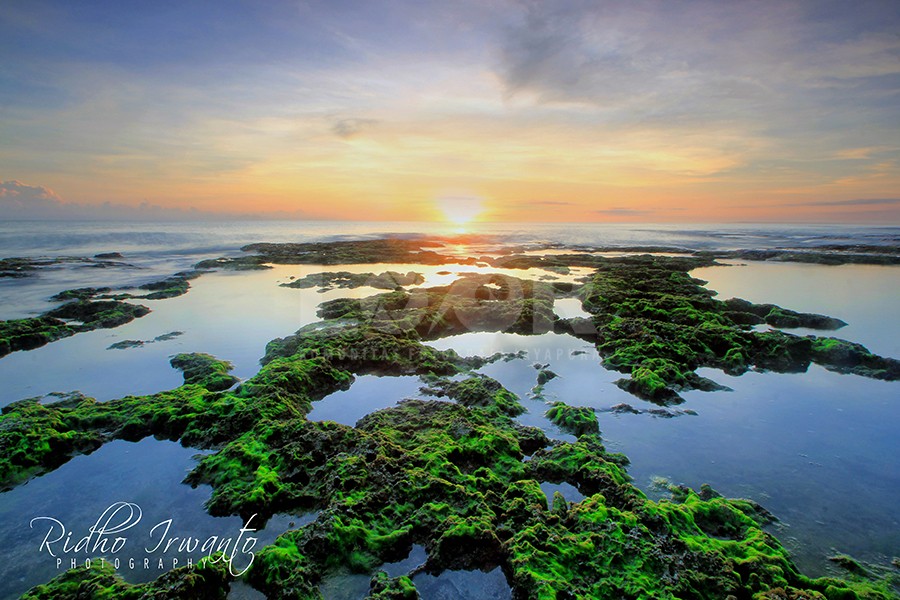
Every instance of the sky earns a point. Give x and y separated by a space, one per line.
495 110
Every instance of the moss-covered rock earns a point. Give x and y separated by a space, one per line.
389 280
473 303
205 370
452 476
208 579
64 321
658 324
383 587
577 420
478 390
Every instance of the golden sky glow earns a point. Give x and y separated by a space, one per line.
557 111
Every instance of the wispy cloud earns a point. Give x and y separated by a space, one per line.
348 128
547 203
861 153
373 108
853 202
623 212
20 201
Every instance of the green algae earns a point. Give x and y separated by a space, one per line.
478 390
452 476
448 476
87 309
577 420
388 280
383 587
127 344
35 437
64 321
208 579
473 303
171 287
657 324
204 370
85 293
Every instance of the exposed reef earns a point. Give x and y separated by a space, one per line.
449 476
826 255
392 250
459 477
658 324
208 579
126 344
204 370
478 390
472 303
64 321
86 309
389 280
17 267
649 319
577 420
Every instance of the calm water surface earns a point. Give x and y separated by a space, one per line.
818 449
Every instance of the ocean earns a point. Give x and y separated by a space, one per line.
819 449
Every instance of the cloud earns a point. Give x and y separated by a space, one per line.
20 201
622 212
348 128
20 195
768 69
547 203
861 153
853 202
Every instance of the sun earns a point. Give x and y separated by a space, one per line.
461 210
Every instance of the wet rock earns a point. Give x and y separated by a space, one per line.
125 345
577 420
80 293
388 280
383 587
205 370
64 321
545 375
848 564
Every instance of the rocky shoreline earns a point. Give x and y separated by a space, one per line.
461 477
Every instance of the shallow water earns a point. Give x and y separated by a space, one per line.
463 585
818 449
568 491
231 315
147 474
864 296
367 394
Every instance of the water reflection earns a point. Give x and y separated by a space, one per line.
147 474
819 450
366 395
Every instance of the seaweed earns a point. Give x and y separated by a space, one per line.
64 321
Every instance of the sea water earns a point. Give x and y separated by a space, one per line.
818 449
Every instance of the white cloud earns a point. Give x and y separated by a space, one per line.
20 201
